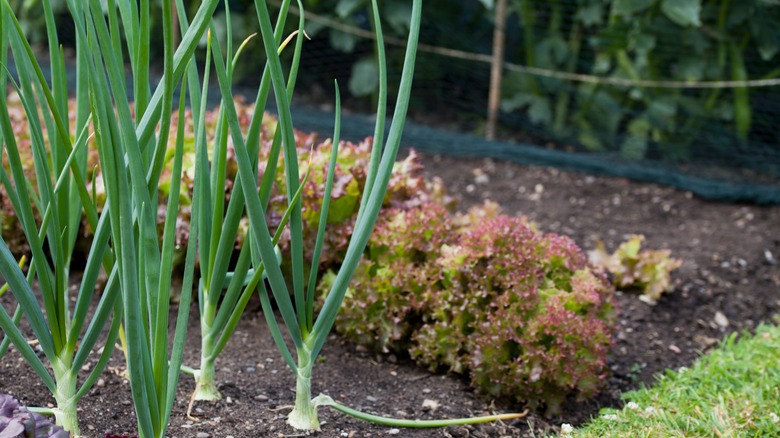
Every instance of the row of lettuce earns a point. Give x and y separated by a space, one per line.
525 315
522 313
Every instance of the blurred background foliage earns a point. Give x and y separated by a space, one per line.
651 40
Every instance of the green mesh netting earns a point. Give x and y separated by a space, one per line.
720 184
578 88
590 105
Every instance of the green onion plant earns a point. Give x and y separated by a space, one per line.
131 140
49 205
131 156
126 243
219 224
307 332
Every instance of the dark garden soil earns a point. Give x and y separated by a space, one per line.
729 282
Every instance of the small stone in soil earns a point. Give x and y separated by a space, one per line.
430 405
394 431
721 320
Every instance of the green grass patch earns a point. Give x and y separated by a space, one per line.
734 391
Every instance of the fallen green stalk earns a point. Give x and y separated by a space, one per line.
324 400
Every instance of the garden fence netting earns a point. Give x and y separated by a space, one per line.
683 92
677 92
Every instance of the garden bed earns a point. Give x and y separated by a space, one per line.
728 281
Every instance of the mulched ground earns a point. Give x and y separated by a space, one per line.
729 282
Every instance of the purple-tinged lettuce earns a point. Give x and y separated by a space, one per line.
18 422
485 295
542 354
397 260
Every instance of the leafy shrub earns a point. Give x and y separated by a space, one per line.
486 295
698 40
648 270
18 422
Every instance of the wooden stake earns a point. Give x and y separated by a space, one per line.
496 70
